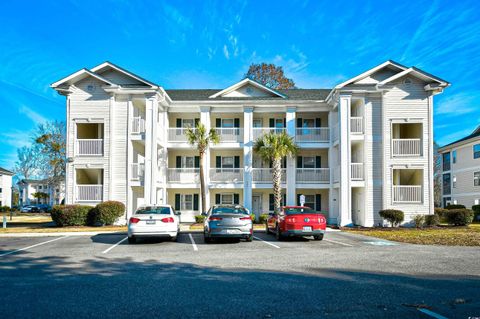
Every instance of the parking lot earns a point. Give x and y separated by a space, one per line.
345 275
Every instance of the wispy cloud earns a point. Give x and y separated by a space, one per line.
458 104
225 52
32 115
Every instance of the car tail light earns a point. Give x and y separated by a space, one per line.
134 220
321 220
215 218
245 218
167 220
290 219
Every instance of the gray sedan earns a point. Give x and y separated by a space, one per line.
228 221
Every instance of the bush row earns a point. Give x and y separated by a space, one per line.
105 213
456 216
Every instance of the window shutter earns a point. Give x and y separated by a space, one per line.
236 199
299 122
236 122
270 163
197 161
179 122
284 162
318 122
196 122
236 162
179 162
218 161
299 162
284 199
177 201
298 199
218 122
271 204
271 122
217 198
318 161
284 122
318 202
195 202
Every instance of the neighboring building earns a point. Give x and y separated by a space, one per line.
461 171
5 187
365 145
28 187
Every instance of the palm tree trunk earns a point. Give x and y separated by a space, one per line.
202 184
277 179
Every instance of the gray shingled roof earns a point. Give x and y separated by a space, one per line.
204 94
474 134
6 171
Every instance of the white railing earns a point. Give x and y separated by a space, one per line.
357 171
407 147
138 171
407 193
356 124
177 134
89 147
138 125
313 175
259 131
335 133
233 134
89 193
262 175
229 175
312 134
183 175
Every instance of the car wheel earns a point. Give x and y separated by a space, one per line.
174 238
132 240
267 231
278 234
318 237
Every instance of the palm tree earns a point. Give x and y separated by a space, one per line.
274 147
202 139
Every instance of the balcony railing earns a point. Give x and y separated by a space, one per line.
357 173
138 125
265 175
183 175
87 147
177 134
407 147
407 193
138 171
356 124
259 131
313 175
233 134
312 134
228 175
89 193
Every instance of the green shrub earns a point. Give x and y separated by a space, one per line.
70 215
199 219
455 206
4 209
459 217
476 212
253 217
432 220
394 216
419 220
106 213
441 213
262 219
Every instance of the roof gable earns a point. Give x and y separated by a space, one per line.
248 88
113 71
368 77
78 76
424 76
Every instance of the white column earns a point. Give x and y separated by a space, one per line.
247 156
147 187
155 151
344 133
107 194
332 164
431 192
130 207
205 120
291 162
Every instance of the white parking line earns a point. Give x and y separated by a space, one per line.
39 244
113 246
337 242
266 242
195 248
431 313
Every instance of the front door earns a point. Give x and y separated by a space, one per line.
257 205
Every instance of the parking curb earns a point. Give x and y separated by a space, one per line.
52 234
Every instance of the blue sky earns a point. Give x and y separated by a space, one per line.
210 44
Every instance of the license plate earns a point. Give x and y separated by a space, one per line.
150 222
307 228
230 231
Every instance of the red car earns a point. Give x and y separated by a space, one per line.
296 221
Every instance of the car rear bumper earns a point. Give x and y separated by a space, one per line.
230 232
300 232
152 234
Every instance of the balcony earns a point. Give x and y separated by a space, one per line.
138 171
230 135
407 193
406 147
260 131
177 134
183 175
314 134
356 125
357 172
138 125
313 175
89 193
265 175
89 147
226 175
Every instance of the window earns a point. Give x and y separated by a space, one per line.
227 162
308 123
188 123
476 151
278 123
446 201
186 202
446 184
227 123
454 181
308 162
257 123
446 161
226 199
310 201
1 191
476 179
454 157
39 186
188 162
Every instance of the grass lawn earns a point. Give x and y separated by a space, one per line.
443 235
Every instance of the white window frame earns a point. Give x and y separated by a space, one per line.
228 157
476 178
226 194
184 202
184 161
224 121
188 123
454 157
454 181
478 151
309 157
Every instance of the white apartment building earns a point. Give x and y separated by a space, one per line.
365 145
28 187
6 187
461 171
